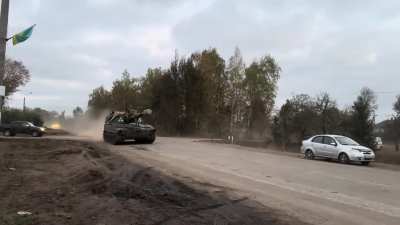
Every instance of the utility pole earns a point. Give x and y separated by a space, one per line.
5 6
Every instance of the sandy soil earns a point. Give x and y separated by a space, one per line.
72 182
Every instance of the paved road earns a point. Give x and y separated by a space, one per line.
318 192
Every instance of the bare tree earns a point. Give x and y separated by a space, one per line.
16 75
327 110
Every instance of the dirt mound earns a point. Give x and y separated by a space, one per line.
69 182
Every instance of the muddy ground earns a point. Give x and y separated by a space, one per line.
69 182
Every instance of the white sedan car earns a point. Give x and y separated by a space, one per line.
337 147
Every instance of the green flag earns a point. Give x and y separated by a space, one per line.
23 36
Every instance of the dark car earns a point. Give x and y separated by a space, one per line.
21 127
122 126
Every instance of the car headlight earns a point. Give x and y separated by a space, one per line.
355 150
42 129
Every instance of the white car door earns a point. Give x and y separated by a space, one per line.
317 143
330 147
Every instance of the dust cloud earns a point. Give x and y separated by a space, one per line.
86 126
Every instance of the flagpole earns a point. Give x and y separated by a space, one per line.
5 6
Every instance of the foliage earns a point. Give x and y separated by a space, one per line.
363 118
296 120
10 114
303 116
396 107
46 115
202 95
235 93
99 100
198 94
392 127
16 75
77 112
124 93
328 113
260 83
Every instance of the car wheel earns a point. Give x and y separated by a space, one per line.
343 158
150 140
35 134
117 139
309 154
7 133
365 163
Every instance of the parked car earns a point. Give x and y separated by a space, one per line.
21 127
337 147
378 143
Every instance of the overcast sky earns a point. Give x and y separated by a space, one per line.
338 46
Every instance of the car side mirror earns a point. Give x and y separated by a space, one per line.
333 144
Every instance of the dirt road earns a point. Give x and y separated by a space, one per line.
318 192
68 182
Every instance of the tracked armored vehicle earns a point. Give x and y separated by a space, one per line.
122 126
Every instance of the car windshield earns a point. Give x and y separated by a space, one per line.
346 141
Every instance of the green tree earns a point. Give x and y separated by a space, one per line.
235 91
297 120
125 92
276 130
32 116
148 87
99 101
167 98
305 119
261 86
198 95
213 84
283 125
194 97
363 117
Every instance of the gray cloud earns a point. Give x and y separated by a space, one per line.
334 46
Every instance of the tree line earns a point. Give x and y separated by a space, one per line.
392 126
201 94
303 116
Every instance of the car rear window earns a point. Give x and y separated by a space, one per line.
318 139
